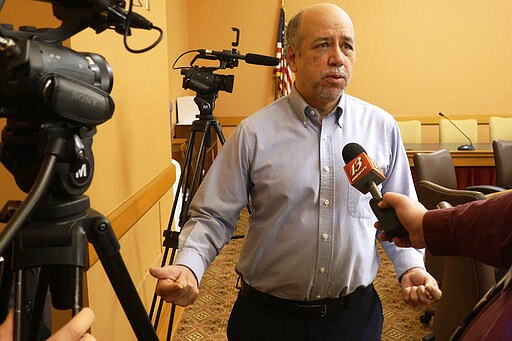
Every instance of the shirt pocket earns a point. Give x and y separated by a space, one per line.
359 204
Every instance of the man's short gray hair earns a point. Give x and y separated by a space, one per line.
292 35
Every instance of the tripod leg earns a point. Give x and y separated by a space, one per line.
77 293
198 172
36 313
171 237
218 130
171 319
160 304
18 304
155 297
106 245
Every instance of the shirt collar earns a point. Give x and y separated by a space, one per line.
304 111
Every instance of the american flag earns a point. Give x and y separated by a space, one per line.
282 72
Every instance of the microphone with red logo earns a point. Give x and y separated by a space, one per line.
365 174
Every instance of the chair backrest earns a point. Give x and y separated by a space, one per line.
410 131
503 161
449 134
500 128
464 282
436 167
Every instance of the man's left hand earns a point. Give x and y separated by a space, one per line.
419 287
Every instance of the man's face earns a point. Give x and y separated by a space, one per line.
324 60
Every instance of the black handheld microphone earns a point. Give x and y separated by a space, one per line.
365 174
469 146
250 58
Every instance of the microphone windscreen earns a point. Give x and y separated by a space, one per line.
259 59
351 151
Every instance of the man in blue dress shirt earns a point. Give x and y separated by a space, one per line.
310 254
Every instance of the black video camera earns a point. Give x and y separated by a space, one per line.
203 80
43 81
46 82
49 92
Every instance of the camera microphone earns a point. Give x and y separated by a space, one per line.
365 174
469 146
250 58
258 59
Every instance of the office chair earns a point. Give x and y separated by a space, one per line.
410 131
449 134
503 161
500 128
464 281
438 168
430 194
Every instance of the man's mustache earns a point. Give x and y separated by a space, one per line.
338 72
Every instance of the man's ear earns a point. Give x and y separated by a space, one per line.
290 58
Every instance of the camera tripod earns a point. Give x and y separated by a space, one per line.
193 172
50 230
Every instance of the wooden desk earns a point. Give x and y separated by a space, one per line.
473 167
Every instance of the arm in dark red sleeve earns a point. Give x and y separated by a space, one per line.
481 230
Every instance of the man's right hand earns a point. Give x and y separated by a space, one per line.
176 284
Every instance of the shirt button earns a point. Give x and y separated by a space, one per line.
326 202
325 236
322 269
326 169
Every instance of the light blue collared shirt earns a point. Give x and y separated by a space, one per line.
311 234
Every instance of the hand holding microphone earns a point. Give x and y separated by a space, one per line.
410 213
365 174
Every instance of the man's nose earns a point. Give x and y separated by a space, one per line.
336 56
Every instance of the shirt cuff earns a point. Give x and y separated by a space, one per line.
192 261
408 259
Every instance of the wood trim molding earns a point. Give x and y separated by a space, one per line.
434 119
233 121
125 216
230 121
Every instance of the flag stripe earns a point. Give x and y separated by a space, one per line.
282 72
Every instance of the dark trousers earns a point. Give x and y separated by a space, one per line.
361 319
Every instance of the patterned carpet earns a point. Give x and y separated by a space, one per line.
206 319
